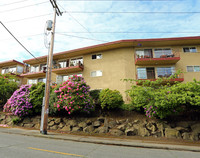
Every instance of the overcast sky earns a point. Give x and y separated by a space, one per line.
90 22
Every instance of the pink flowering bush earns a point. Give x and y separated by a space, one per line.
7 107
71 96
19 103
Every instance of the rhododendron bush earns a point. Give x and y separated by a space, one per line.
71 96
19 103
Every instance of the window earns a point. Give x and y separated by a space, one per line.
193 68
35 68
165 71
42 80
196 68
189 49
144 53
32 81
12 69
43 67
141 72
97 56
96 73
20 69
65 78
62 64
5 70
61 78
76 61
162 51
146 73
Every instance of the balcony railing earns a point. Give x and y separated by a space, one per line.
71 68
157 58
154 75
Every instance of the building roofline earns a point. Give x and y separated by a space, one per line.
119 42
11 61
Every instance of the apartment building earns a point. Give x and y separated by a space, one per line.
104 65
13 67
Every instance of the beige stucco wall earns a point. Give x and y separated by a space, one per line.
53 77
115 65
189 59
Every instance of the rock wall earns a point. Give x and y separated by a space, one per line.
188 130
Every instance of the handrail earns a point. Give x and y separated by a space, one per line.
157 74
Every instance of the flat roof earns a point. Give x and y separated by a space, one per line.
121 44
10 63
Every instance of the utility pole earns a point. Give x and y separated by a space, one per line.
44 121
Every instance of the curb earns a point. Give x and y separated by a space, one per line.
103 141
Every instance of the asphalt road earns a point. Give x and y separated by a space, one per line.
19 146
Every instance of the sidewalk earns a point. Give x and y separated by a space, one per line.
104 141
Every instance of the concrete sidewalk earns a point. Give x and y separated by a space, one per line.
104 141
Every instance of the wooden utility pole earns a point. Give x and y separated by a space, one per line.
49 69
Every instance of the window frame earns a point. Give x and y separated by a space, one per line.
164 72
158 52
189 47
96 72
96 58
193 70
5 70
35 68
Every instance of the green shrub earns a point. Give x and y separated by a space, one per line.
7 87
16 120
140 96
36 97
165 100
95 95
127 107
110 99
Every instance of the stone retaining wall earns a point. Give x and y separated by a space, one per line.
188 130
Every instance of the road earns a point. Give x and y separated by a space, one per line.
19 146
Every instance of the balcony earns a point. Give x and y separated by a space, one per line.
34 74
77 67
157 58
152 75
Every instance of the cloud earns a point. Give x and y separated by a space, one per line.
30 32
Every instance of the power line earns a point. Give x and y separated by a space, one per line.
126 32
124 0
27 18
23 36
19 41
23 7
75 20
13 3
130 12
80 37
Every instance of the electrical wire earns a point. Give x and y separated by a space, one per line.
39 34
124 0
28 18
80 37
125 32
19 41
23 7
75 19
13 3
130 12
